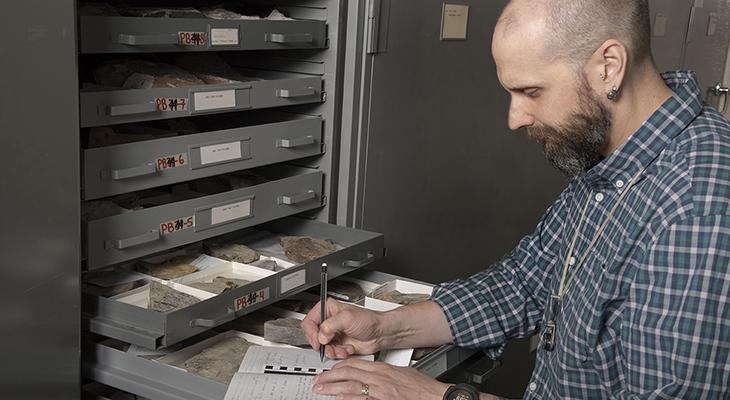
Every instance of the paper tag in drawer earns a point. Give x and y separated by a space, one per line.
292 281
224 36
230 212
214 100
251 299
220 152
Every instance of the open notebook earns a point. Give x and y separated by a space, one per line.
278 373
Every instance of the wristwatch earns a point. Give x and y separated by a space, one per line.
462 391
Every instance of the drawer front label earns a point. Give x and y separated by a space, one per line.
220 152
214 100
177 225
251 299
192 38
224 36
166 104
174 161
293 281
230 212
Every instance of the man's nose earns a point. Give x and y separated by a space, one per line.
518 118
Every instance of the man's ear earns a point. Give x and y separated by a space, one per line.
606 68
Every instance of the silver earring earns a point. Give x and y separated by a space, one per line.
613 93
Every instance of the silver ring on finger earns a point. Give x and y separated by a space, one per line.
365 390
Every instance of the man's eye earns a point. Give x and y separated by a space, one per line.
532 93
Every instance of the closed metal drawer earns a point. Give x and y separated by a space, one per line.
130 167
152 329
100 106
135 234
107 34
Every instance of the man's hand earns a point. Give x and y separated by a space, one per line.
347 330
346 380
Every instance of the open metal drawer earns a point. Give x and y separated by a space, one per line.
152 329
112 34
138 233
129 167
108 106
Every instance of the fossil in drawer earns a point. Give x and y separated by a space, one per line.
285 330
297 305
170 269
143 74
220 361
220 284
344 290
303 249
405 299
166 299
231 252
270 265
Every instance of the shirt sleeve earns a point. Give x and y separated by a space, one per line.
506 300
677 320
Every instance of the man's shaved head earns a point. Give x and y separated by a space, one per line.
574 29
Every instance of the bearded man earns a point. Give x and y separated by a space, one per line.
626 276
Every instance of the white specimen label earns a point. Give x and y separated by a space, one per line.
215 100
220 152
224 36
230 212
292 281
454 21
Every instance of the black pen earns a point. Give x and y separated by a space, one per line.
322 306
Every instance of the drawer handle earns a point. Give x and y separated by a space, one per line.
146 40
126 173
284 38
132 109
360 263
297 198
292 93
210 323
297 142
126 243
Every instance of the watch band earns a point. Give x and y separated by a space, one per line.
461 391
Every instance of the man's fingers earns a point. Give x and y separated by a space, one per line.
335 388
344 374
333 325
311 330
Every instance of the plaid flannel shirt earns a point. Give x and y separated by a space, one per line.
648 313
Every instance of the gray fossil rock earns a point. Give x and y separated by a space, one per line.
296 305
270 265
220 361
231 252
110 291
220 284
303 249
252 323
405 299
173 268
285 330
166 299
345 291
421 352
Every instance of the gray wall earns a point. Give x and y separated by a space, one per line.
39 196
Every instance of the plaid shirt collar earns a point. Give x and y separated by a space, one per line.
654 135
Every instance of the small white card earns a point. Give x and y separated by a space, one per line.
214 100
220 152
224 36
293 280
230 212
454 21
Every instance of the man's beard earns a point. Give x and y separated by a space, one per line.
575 145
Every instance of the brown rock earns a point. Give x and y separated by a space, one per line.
110 291
345 291
173 268
220 284
270 265
303 249
166 299
285 330
421 352
220 361
405 299
296 305
231 252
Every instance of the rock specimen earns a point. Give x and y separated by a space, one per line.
285 330
222 13
270 265
421 352
231 252
166 299
252 323
220 361
155 12
210 68
142 74
110 291
405 299
173 268
296 305
345 291
303 249
220 284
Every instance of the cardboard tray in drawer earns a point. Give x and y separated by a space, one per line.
131 322
108 106
116 34
137 233
240 143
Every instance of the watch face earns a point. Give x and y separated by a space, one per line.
461 394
